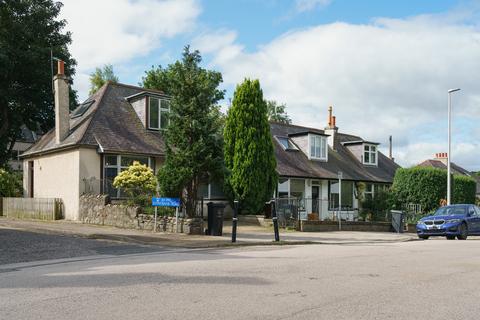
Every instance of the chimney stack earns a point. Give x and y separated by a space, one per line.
442 156
331 129
390 146
62 113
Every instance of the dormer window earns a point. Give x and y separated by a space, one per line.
158 110
317 147
370 154
286 143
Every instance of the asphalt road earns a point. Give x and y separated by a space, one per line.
434 279
22 246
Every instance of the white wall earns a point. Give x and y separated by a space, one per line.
61 174
89 170
57 176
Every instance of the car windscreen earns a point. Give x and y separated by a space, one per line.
451 211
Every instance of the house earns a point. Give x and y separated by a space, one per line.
440 162
309 161
88 147
120 124
26 140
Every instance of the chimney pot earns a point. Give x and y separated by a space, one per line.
60 67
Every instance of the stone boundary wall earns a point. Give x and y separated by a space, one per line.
97 209
316 226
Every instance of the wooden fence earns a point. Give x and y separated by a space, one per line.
33 208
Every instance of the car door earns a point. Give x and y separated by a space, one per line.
477 219
472 220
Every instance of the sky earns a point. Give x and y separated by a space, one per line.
384 66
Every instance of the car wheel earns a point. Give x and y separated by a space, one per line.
450 237
463 230
423 237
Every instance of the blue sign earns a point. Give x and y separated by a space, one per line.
166 202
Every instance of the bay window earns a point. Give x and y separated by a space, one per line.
113 165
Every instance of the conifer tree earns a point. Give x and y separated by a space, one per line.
248 152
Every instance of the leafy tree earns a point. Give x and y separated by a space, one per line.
277 112
138 181
101 76
10 184
192 139
249 153
29 30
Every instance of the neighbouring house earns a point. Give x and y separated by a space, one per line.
440 162
88 147
26 140
309 161
120 124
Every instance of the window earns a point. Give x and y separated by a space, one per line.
283 188
113 165
297 188
286 143
369 191
212 190
318 147
347 195
158 110
370 154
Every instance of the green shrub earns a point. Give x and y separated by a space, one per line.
428 186
139 182
376 208
10 184
464 189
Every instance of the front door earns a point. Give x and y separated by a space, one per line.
315 199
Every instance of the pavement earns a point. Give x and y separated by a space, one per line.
433 279
246 235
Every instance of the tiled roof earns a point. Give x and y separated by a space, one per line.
297 164
440 165
456 169
109 124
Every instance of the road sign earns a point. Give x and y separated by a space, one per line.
166 202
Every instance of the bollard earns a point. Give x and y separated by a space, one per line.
234 221
275 220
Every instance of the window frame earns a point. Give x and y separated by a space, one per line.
323 147
161 111
118 166
370 153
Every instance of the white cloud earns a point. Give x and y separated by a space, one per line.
387 77
116 31
307 5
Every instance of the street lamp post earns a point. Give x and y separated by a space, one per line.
449 154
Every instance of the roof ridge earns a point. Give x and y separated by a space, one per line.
93 114
294 125
134 87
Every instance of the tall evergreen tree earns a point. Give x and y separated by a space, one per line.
193 139
29 31
248 151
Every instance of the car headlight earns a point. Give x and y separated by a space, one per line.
453 221
420 222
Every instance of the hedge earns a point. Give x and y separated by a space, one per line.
10 184
427 186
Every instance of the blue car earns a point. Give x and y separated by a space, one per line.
458 220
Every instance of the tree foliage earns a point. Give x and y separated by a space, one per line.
427 186
277 112
10 184
138 181
101 76
249 153
192 139
29 30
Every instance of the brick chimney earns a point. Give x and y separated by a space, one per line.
62 113
442 156
331 129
